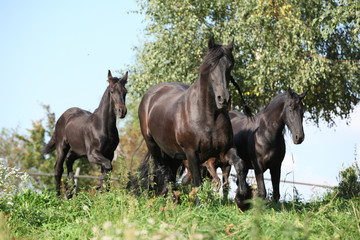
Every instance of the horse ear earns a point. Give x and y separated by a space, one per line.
211 42
290 92
110 79
303 95
231 45
124 78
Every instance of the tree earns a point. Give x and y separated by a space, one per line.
278 43
132 149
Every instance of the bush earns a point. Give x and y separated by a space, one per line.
12 182
349 185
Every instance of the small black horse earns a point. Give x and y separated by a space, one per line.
91 135
181 122
260 142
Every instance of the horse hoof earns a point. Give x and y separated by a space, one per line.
68 194
107 166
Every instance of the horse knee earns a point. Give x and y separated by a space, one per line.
107 165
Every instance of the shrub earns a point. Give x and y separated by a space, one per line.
349 185
12 182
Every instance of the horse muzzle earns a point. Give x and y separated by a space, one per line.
120 111
222 103
298 138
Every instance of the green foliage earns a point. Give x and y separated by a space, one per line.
12 182
25 151
132 148
117 214
349 185
278 43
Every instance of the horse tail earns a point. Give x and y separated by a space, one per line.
140 182
48 148
151 177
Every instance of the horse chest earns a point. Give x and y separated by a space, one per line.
269 153
213 140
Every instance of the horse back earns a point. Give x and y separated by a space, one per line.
70 129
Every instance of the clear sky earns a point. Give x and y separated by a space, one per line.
58 53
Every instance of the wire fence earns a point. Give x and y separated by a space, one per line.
78 176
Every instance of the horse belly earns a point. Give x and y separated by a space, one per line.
167 142
74 133
158 117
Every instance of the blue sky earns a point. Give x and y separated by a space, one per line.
58 53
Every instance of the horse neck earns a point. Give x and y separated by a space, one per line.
106 112
272 116
205 102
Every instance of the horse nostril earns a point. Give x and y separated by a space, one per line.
298 139
220 99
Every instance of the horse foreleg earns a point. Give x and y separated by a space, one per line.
105 163
243 192
275 173
186 164
260 184
210 165
194 167
225 175
259 175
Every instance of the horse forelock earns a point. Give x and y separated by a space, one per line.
213 57
113 80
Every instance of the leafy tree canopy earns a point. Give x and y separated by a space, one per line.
306 45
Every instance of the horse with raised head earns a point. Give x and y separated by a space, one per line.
260 141
181 122
79 133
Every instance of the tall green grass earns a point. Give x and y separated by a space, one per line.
118 214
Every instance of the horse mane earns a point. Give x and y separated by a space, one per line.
275 100
213 57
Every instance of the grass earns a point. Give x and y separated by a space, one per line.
119 215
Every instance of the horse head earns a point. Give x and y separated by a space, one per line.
293 114
217 65
118 93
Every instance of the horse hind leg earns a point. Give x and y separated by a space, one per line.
211 168
70 159
153 172
225 175
62 150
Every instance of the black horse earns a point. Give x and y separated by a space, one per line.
181 122
79 133
260 142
